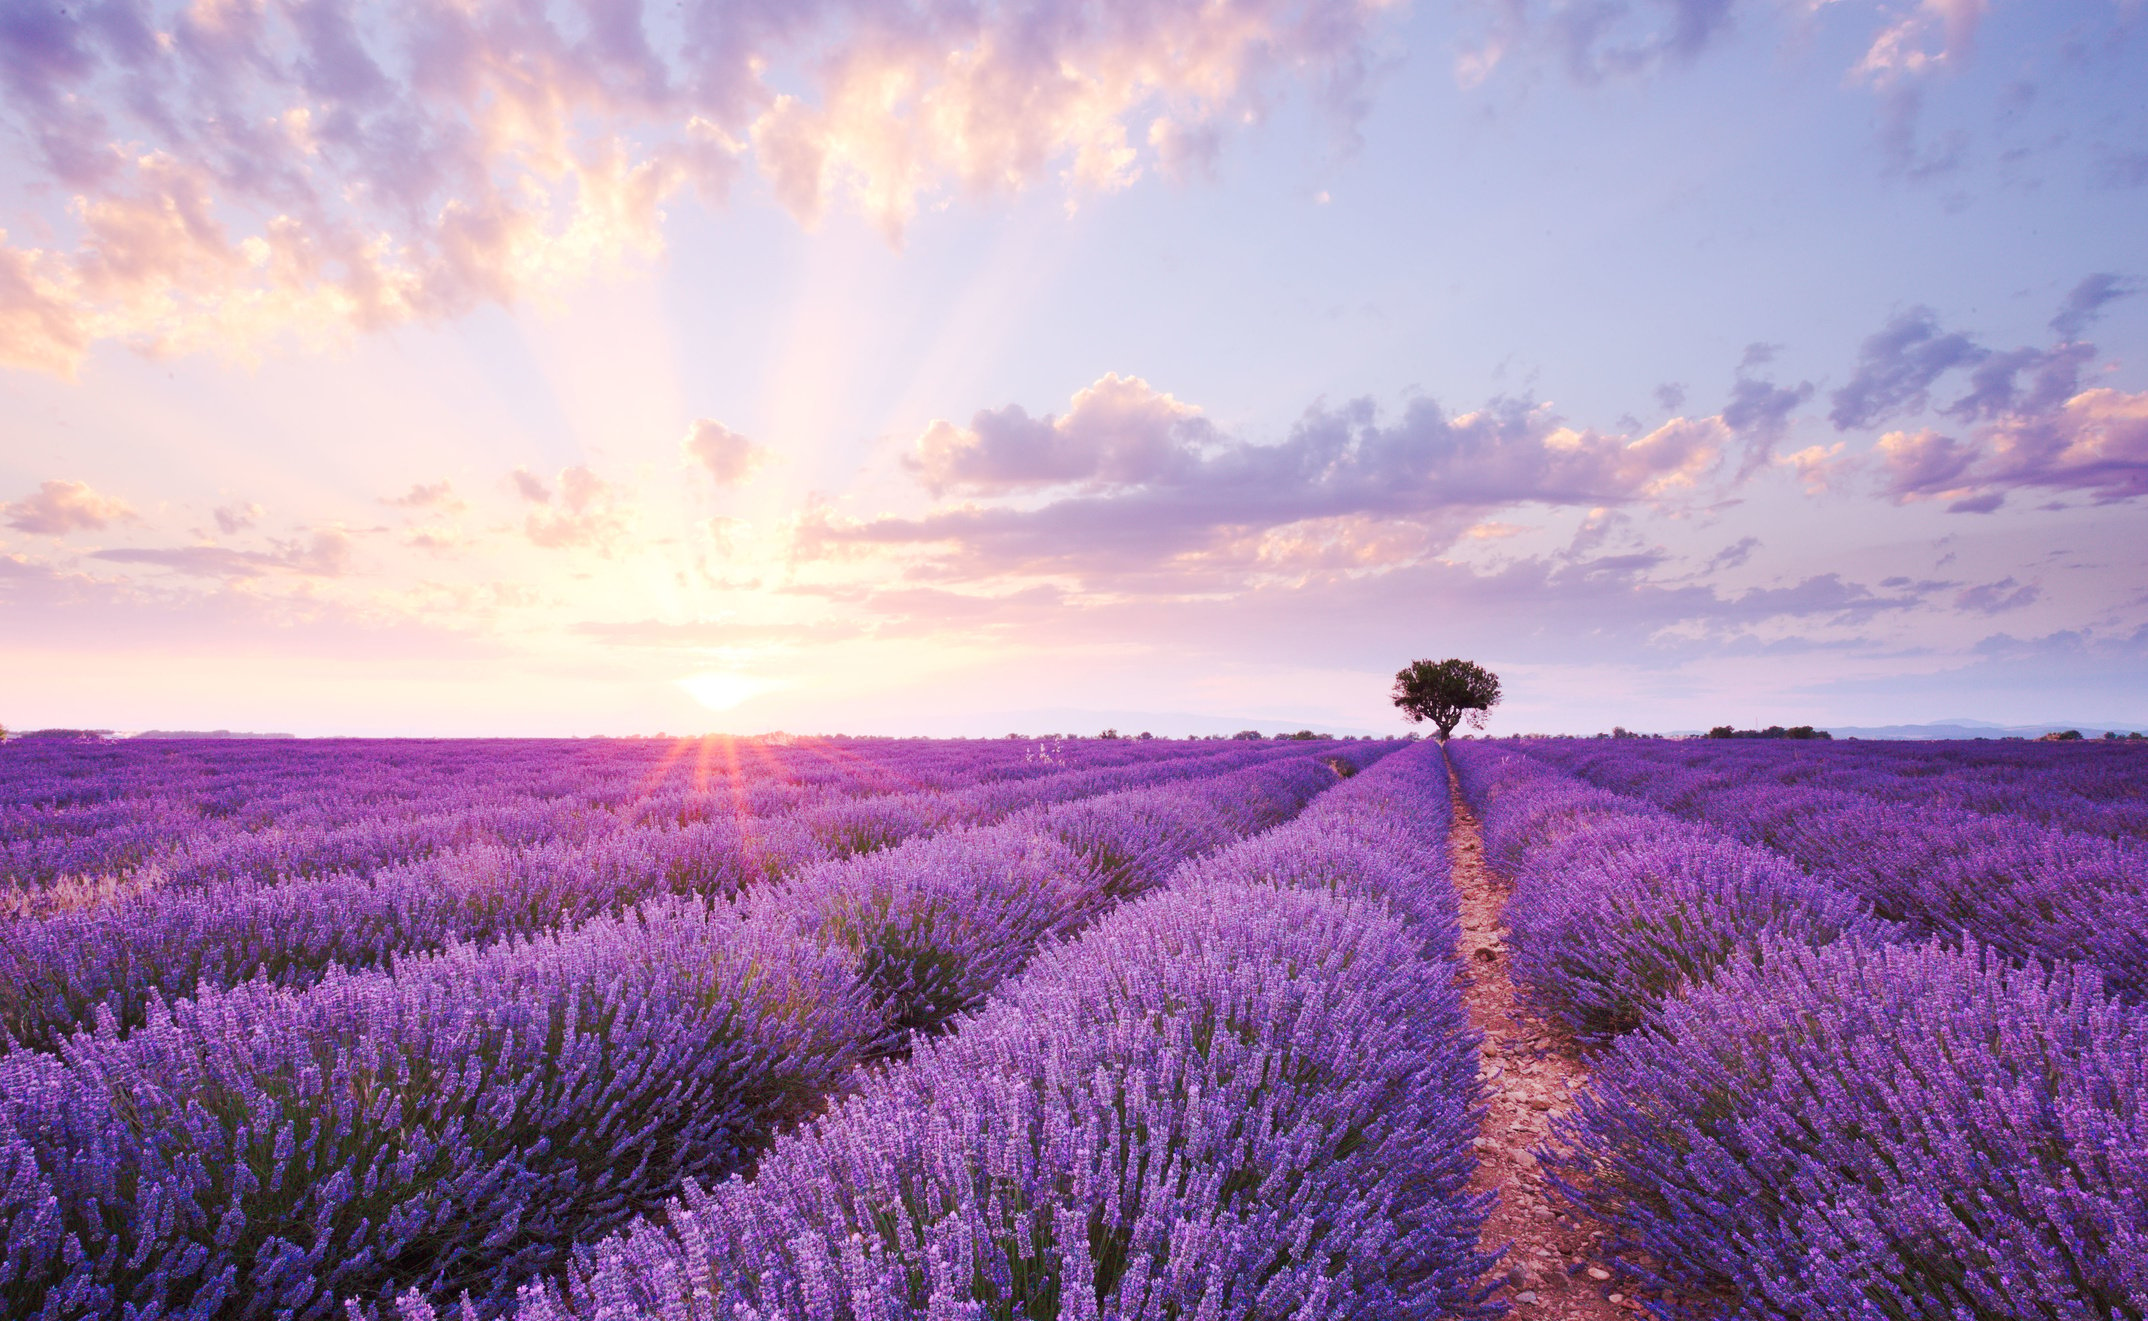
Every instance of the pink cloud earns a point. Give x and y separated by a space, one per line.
728 457
422 495
589 513
237 517
1150 491
58 508
259 170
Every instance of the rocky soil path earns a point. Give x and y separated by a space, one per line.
1531 1072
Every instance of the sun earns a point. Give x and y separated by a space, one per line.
720 690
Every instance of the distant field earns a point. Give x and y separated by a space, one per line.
1082 1028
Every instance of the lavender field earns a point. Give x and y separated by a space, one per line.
1092 1028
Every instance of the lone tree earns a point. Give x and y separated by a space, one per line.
1443 691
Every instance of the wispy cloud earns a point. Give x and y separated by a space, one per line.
326 554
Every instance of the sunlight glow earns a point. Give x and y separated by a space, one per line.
720 691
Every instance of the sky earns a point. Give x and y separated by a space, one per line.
959 367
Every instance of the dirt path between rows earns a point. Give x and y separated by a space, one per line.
1531 1073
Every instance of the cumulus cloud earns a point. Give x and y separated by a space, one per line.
1142 483
239 172
589 512
728 457
2096 441
1117 432
57 508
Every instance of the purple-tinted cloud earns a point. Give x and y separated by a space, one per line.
58 508
2033 425
1996 598
2086 302
1154 487
1896 368
1759 411
1118 432
2054 376
1924 463
327 554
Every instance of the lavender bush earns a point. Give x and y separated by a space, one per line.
58 972
1225 1101
2035 891
261 1153
1878 1132
1618 906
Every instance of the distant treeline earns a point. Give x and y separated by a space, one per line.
1772 731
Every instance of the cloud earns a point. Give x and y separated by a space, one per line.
590 512
2097 441
1924 464
530 487
1995 598
1896 368
1935 32
1821 469
2031 422
2086 301
1145 485
1118 432
58 508
728 457
241 173
1596 39
237 517
1759 411
437 495
326 554
2055 376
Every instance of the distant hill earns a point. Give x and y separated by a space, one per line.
1952 729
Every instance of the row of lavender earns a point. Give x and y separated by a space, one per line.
456 1123
1806 1110
190 813
1853 817
62 971
1250 1095
2092 788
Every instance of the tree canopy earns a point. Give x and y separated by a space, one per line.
1443 692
